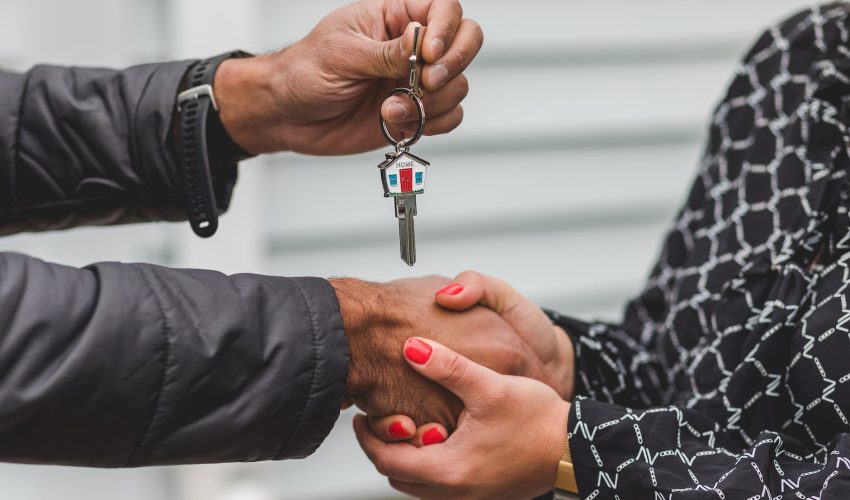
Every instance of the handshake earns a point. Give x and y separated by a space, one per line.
470 361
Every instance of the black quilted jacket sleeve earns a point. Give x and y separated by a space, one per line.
118 365
92 146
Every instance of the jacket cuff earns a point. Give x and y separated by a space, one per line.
11 99
154 126
113 163
330 370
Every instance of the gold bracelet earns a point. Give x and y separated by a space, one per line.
566 477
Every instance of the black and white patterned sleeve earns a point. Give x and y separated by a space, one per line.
727 377
672 453
628 441
612 365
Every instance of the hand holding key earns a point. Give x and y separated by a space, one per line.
322 94
402 173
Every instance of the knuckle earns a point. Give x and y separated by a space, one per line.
459 114
461 59
515 361
477 32
457 118
454 370
388 57
512 308
457 8
448 122
463 87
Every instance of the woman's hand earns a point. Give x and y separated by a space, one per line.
323 94
507 445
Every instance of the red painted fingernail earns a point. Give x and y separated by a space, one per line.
397 430
432 436
452 289
417 351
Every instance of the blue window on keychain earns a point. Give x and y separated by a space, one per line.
419 177
393 180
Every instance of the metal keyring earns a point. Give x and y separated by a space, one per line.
406 143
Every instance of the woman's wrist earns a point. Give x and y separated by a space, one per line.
558 440
566 363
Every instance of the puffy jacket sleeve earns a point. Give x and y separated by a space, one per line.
117 365
83 146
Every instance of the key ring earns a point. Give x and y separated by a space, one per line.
415 93
420 108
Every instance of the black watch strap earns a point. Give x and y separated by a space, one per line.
193 144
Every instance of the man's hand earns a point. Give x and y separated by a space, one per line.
379 318
323 94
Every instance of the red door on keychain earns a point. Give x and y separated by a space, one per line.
406 175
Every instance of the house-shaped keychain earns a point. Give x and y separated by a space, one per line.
403 174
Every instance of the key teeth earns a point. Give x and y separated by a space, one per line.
406 230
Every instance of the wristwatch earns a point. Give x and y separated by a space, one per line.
202 139
565 480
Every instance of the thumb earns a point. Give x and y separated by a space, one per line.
469 381
461 295
391 59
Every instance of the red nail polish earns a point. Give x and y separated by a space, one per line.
417 351
397 430
452 289
432 436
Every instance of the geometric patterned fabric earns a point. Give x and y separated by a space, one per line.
729 376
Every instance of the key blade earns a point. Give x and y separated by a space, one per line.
407 239
405 210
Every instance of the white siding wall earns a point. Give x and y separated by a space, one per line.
583 128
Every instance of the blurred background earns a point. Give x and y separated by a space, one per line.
583 128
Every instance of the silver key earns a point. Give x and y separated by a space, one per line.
403 174
405 211
403 177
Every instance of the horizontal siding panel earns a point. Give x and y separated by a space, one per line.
623 22
544 264
38 482
80 247
99 33
336 197
574 25
505 100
